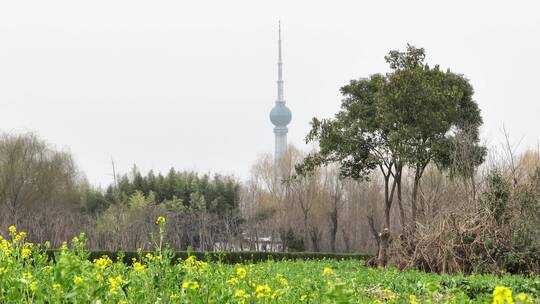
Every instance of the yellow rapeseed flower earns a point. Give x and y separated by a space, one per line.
412 299
200 265
241 272
232 281
191 260
190 285
303 298
502 295
328 271
27 276
523 298
19 237
240 293
138 267
263 291
160 220
115 283
26 252
103 262
12 230
56 286
77 280
6 247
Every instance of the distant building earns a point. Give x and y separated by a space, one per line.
280 115
246 243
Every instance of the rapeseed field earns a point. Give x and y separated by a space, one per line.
29 275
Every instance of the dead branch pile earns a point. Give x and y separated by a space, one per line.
499 234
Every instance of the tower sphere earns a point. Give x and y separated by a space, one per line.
280 115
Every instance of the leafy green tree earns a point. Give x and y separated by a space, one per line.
92 199
294 242
391 121
426 109
34 176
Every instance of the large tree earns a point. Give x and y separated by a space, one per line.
34 176
391 121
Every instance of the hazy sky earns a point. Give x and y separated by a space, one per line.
190 84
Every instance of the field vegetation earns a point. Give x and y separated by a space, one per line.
28 275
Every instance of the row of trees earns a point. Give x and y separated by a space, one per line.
43 192
201 210
319 212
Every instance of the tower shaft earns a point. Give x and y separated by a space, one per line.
280 142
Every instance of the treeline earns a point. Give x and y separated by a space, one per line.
43 193
201 210
217 194
493 228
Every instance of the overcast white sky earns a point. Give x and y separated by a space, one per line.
190 84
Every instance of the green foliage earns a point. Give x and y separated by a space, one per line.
294 242
401 117
34 175
218 195
93 200
497 197
226 257
75 276
514 213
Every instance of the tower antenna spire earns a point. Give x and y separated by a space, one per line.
280 68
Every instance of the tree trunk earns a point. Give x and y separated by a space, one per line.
346 240
403 223
414 207
384 235
315 236
306 229
384 238
333 229
256 240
